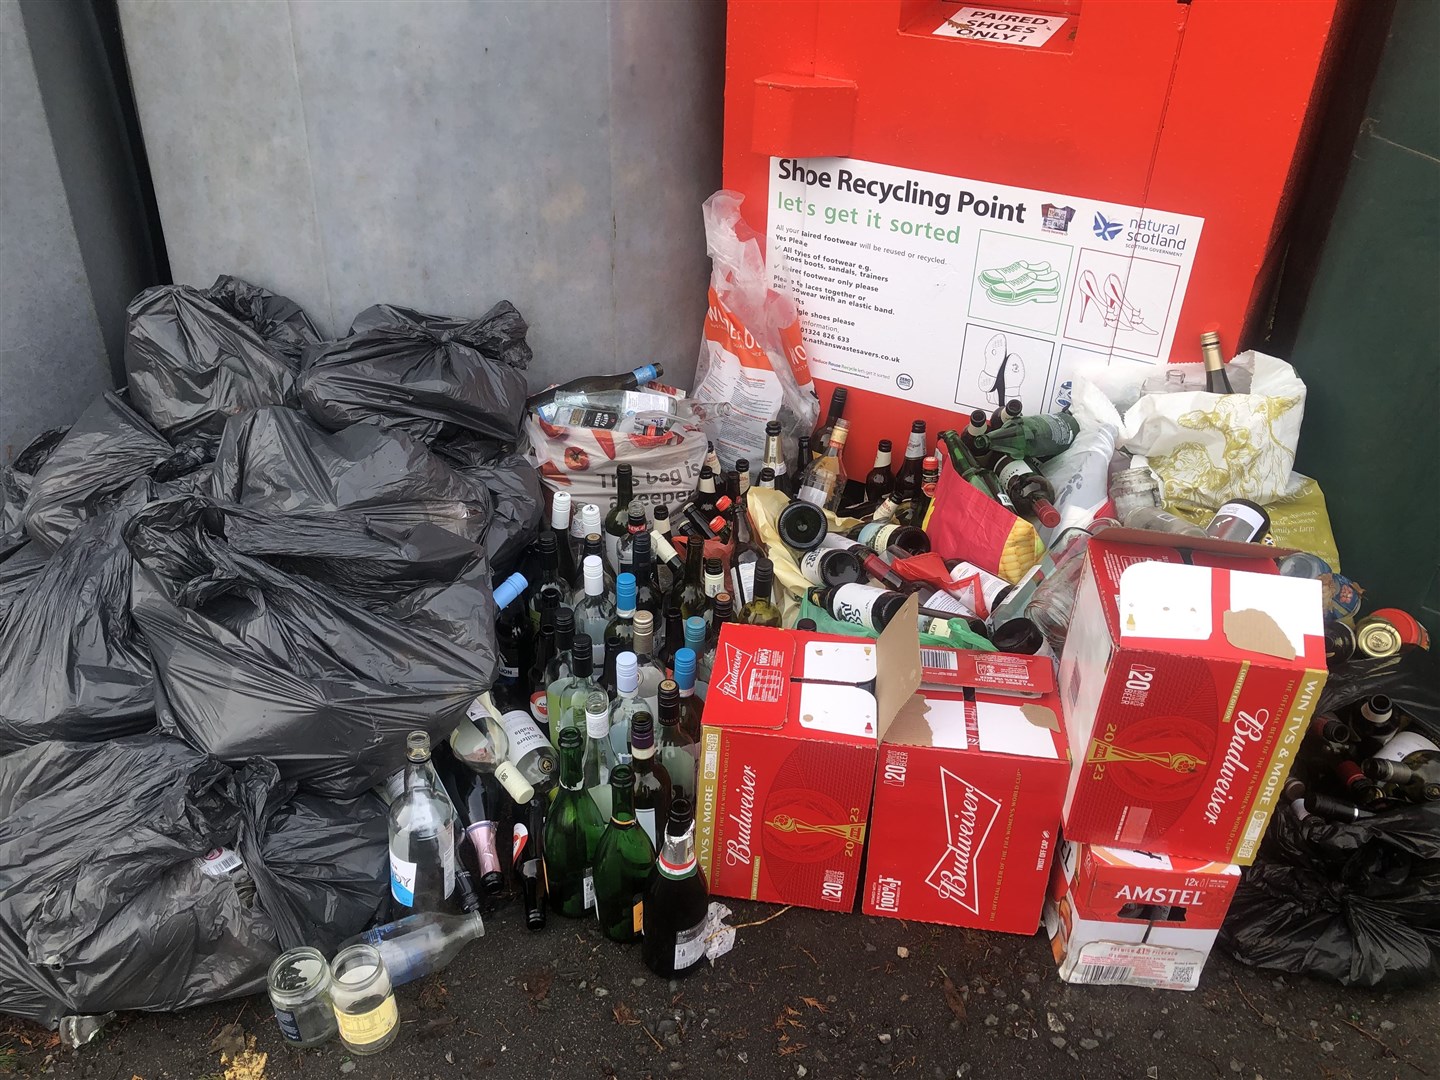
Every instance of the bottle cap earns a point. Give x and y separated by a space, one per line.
642 733
641 547
594 575
646 373
590 517
514 783
644 623
695 631
801 526
625 593
560 510
772 427
627 673
724 607
509 589
764 577
669 698
564 626
685 668
805 624
583 654
742 465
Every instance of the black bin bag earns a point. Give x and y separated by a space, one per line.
72 662
425 374
279 459
194 357
1357 903
15 481
514 486
317 641
109 448
142 874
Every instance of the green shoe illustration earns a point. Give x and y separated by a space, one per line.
1008 274
1026 289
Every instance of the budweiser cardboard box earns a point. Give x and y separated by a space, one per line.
1135 918
1186 688
787 761
967 802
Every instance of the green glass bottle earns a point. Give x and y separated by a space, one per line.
622 863
692 597
758 610
1037 437
572 833
677 900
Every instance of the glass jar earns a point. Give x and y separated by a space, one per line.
364 1001
299 985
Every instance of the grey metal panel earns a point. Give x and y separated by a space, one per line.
445 156
52 357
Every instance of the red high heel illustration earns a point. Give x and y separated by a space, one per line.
1127 315
1091 293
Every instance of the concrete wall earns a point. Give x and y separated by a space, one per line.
52 352
444 156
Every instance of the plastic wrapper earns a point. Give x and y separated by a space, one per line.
176 887
278 459
109 448
194 357
752 358
72 662
425 374
317 641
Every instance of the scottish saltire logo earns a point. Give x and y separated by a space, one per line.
1106 229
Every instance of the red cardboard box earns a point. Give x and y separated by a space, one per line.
967 809
1135 918
1186 690
787 763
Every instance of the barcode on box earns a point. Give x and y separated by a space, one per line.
1183 974
1110 974
939 660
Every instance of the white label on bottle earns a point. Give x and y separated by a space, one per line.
612 551
811 494
1402 745
853 603
915 446
522 733
810 565
220 862
589 887
646 817
446 840
540 707
877 537
402 880
690 946
509 672
744 574
1012 468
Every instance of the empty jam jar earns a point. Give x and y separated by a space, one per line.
299 983
364 1002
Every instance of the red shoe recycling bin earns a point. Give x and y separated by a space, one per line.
971 204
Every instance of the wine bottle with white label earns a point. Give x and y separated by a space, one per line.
677 900
863 605
422 837
652 782
529 749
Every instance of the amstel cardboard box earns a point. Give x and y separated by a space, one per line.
787 761
1190 671
967 802
1135 918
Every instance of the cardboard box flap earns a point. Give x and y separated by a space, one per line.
1176 542
752 676
898 654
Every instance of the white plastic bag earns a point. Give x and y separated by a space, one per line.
751 355
1208 448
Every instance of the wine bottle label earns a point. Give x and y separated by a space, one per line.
810 565
540 707
402 880
855 603
362 1029
1403 745
690 946
588 886
877 536
915 447
646 817
812 494
637 916
521 731
1012 468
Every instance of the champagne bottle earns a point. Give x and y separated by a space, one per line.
422 837
821 440
421 944
1029 491
677 900
1217 380
572 833
599 759
652 782
907 480
823 482
758 610
527 856
623 859
775 459
1030 436
619 516
594 384
880 481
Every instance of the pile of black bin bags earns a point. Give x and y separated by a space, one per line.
227 593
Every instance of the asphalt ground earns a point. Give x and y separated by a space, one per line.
802 994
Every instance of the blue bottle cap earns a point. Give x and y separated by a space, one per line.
685 669
625 592
646 373
695 632
509 589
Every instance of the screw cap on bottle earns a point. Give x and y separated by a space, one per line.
627 673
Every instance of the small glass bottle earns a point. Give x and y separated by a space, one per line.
364 1001
758 610
299 985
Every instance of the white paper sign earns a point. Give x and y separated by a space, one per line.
961 294
1002 27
